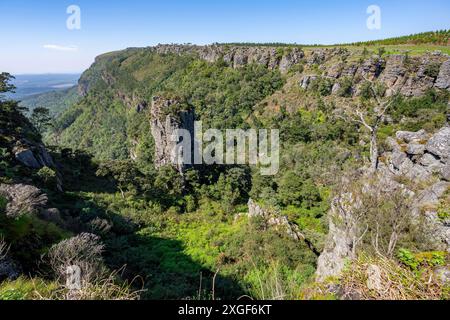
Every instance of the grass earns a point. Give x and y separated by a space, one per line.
27 289
395 282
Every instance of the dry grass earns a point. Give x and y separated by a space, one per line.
395 282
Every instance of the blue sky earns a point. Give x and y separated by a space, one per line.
35 38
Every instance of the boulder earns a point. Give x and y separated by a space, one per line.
409 137
279 222
431 163
306 81
394 72
443 79
371 68
317 57
291 58
52 215
445 172
27 158
415 149
439 144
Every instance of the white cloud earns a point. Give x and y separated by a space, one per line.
60 48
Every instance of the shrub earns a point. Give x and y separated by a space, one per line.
47 176
83 251
346 87
416 261
432 70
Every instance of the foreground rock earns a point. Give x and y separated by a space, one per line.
340 246
418 156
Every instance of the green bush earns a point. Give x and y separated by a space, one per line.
47 176
322 86
416 261
346 87
432 70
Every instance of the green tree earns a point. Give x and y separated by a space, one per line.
123 173
5 83
41 119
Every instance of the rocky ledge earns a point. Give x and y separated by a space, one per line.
418 156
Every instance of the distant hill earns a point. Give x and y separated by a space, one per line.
56 101
27 85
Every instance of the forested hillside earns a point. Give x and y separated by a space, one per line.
55 101
358 209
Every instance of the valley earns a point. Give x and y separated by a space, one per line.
359 208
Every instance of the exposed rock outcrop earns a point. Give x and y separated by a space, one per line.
443 79
281 223
238 56
340 246
32 155
410 76
306 81
420 157
166 118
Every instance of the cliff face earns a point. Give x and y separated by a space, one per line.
424 159
410 76
166 119
129 76
270 57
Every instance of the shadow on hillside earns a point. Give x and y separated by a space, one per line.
78 170
166 271
157 265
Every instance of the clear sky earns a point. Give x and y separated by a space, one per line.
35 39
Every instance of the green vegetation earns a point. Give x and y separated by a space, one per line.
55 101
156 234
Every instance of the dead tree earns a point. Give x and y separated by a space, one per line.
370 114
